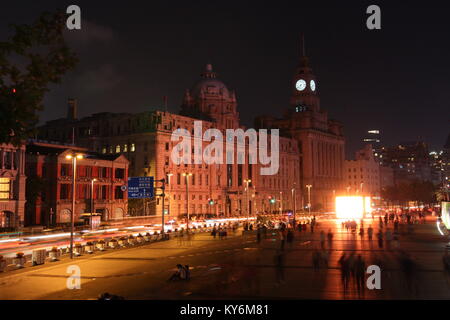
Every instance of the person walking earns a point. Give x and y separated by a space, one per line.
330 238
345 271
322 239
290 238
360 270
380 239
316 260
388 238
370 232
282 238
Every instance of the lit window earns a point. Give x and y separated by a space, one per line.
132 148
4 188
118 149
104 150
125 148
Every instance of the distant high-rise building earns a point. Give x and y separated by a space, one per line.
409 160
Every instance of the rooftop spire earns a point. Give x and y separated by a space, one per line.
208 73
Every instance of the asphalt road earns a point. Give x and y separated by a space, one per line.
239 268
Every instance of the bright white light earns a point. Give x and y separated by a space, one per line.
350 207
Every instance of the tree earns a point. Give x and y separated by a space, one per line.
35 56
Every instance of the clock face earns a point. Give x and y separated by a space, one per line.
300 85
312 85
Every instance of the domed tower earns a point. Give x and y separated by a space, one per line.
210 99
304 86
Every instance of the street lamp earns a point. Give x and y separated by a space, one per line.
247 181
294 200
281 202
92 200
187 175
74 158
309 186
170 189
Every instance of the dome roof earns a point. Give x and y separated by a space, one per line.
210 84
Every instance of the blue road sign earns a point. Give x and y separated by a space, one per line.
140 187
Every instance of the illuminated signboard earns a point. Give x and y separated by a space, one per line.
352 207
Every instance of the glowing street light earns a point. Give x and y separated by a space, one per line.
187 175
92 200
74 158
247 181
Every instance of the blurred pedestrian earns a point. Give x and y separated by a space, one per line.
380 239
370 232
330 238
345 271
360 271
322 239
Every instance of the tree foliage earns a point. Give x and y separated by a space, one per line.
421 191
35 56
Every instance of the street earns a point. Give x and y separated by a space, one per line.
239 268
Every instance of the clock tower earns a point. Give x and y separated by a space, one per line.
305 95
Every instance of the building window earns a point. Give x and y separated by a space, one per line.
118 193
133 148
120 173
239 174
103 150
178 178
229 175
64 191
125 148
118 148
167 146
4 188
65 170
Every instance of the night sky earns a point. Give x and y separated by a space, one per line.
132 53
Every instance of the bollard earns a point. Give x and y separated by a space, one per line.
2 263
113 243
89 247
38 257
78 249
131 240
19 260
101 245
54 254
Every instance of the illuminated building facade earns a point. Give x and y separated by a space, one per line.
218 189
320 139
12 186
48 168
362 175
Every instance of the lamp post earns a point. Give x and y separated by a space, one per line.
309 186
170 189
281 202
74 158
294 200
187 175
92 200
247 181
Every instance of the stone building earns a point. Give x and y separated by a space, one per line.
145 139
50 176
362 175
320 139
12 186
